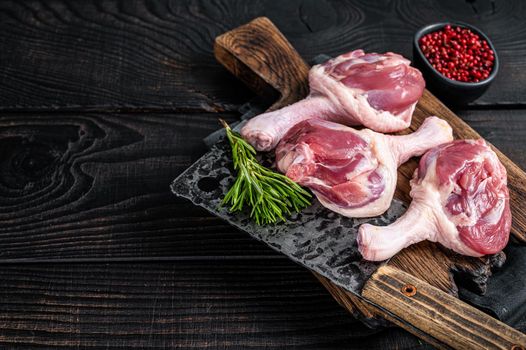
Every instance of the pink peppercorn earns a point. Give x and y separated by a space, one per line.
458 53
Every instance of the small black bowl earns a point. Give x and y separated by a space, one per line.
451 91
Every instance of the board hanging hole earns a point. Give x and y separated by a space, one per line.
409 290
517 347
208 184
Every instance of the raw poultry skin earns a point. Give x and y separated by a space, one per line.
353 172
379 91
460 199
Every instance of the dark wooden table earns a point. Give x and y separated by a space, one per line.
103 103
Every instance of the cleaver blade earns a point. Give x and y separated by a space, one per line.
316 238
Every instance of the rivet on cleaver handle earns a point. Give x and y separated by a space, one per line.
259 55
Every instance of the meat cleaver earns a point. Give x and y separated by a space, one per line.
319 239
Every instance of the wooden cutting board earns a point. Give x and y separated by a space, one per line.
259 55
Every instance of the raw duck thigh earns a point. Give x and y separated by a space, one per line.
353 172
379 91
460 199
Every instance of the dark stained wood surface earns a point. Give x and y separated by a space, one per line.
184 305
101 178
161 228
158 54
100 181
95 186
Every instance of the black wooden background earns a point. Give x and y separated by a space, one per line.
103 103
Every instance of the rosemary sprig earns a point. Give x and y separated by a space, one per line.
269 195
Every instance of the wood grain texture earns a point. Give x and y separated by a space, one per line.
95 186
373 315
127 54
243 51
112 171
79 55
185 305
86 186
127 226
437 313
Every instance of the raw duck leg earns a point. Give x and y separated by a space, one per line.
353 172
460 199
379 91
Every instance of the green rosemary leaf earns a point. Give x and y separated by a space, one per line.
269 195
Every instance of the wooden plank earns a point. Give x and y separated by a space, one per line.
85 186
205 305
123 209
128 54
112 55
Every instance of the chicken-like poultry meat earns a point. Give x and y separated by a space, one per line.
460 199
353 172
379 91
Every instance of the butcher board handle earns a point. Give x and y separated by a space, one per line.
259 55
438 314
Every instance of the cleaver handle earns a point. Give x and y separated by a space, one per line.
259 55
438 314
